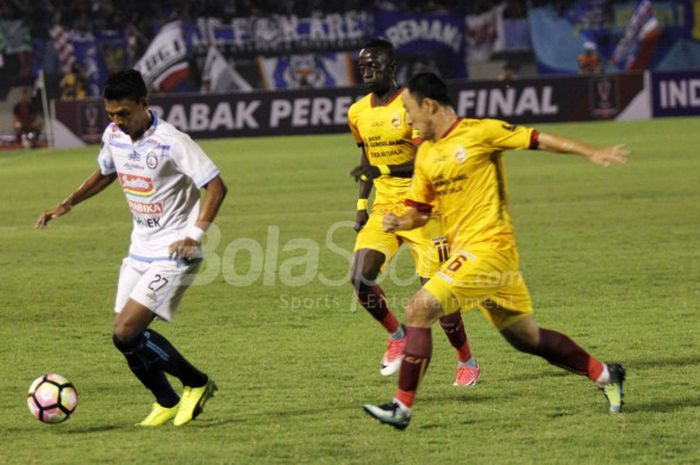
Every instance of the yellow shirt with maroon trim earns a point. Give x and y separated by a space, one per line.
462 174
387 140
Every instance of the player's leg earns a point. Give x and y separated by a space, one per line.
423 310
468 370
373 249
132 323
560 350
162 285
430 249
510 310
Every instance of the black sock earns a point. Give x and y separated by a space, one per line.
161 352
150 376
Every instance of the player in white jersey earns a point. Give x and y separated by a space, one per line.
161 171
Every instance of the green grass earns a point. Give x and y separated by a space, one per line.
611 257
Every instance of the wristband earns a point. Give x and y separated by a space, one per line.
195 233
362 204
384 169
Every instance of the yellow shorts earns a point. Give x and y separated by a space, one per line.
482 276
428 245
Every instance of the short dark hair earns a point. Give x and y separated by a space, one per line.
429 85
125 84
383 45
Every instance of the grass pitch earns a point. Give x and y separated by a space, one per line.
611 257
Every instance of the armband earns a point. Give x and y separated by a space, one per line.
362 204
384 169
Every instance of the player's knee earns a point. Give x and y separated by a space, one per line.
121 344
124 335
522 339
423 311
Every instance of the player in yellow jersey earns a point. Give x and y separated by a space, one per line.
378 124
459 170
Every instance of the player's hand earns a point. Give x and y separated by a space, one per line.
616 154
360 220
184 249
390 222
365 173
49 215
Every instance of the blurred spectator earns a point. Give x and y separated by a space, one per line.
74 83
589 61
24 121
508 72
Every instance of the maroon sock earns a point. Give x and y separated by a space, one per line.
416 358
560 350
373 299
453 325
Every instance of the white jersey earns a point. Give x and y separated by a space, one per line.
160 174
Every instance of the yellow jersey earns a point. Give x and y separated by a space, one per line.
387 140
462 174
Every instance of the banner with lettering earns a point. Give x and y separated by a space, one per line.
285 34
425 41
323 111
164 66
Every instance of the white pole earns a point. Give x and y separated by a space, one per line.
40 83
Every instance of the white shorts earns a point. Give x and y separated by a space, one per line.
157 285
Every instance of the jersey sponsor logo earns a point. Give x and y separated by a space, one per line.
145 208
136 185
151 223
134 156
460 154
396 121
152 161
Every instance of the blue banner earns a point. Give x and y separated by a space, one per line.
434 41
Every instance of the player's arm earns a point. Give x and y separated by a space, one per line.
365 189
369 172
603 156
414 217
93 185
215 192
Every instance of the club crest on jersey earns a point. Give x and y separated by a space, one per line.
396 121
136 185
152 161
460 154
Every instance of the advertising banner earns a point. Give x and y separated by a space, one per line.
322 111
675 93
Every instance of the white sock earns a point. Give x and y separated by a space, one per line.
604 377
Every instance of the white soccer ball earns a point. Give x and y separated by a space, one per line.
52 398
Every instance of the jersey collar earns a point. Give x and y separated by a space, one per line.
373 99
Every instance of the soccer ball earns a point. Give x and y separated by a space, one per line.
52 398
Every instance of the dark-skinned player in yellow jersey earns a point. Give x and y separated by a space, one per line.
459 170
378 124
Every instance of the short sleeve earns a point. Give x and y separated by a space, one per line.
104 158
352 123
193 162
504 136
421 191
